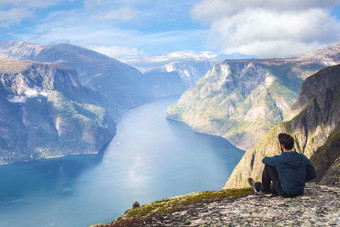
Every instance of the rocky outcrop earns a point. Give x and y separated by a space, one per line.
242 100
319 206
332 176
46 112
315 129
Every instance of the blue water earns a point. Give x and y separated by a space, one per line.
150 158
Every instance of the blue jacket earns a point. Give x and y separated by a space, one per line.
294 169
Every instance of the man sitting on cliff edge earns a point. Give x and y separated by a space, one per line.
288 171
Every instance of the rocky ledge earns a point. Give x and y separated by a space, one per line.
319 206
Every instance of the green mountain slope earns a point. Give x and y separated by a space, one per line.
241 100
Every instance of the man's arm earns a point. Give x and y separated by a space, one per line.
311 174
272 161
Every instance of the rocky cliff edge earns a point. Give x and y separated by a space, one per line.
319 206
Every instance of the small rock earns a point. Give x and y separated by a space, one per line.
135 205
305 197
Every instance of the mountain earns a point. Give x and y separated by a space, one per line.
122 85
189 68
147 63
190 71
46 112
189 65
20 50
241 100
315 128
164 83
328 56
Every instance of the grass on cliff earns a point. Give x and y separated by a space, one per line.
179 202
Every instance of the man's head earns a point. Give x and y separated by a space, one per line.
286 141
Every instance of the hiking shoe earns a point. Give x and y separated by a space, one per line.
251 182
263 193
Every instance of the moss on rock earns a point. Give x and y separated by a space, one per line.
138 216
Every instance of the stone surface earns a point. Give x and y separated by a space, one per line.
319 206
332 176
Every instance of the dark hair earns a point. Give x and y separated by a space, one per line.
286 140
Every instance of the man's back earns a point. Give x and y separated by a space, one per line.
293 169
287 172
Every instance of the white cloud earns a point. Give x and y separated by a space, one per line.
78 34
31 93
15 11
13 16
269 28
28 93
122 14
209 10
70 27
28 4
145 62
116 51
17 99
115 27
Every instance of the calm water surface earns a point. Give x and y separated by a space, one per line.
149 159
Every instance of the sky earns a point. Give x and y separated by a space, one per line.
263 28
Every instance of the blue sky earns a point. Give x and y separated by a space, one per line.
265 28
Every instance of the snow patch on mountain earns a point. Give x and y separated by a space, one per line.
28 93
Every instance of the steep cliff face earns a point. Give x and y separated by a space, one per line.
315 128
190 71
45 112
241 100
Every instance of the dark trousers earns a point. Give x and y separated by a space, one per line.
269 175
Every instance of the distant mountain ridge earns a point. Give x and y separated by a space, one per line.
164 83
189 65
241 100
328 56
315 128
20 50
46 112
122 85
190 71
